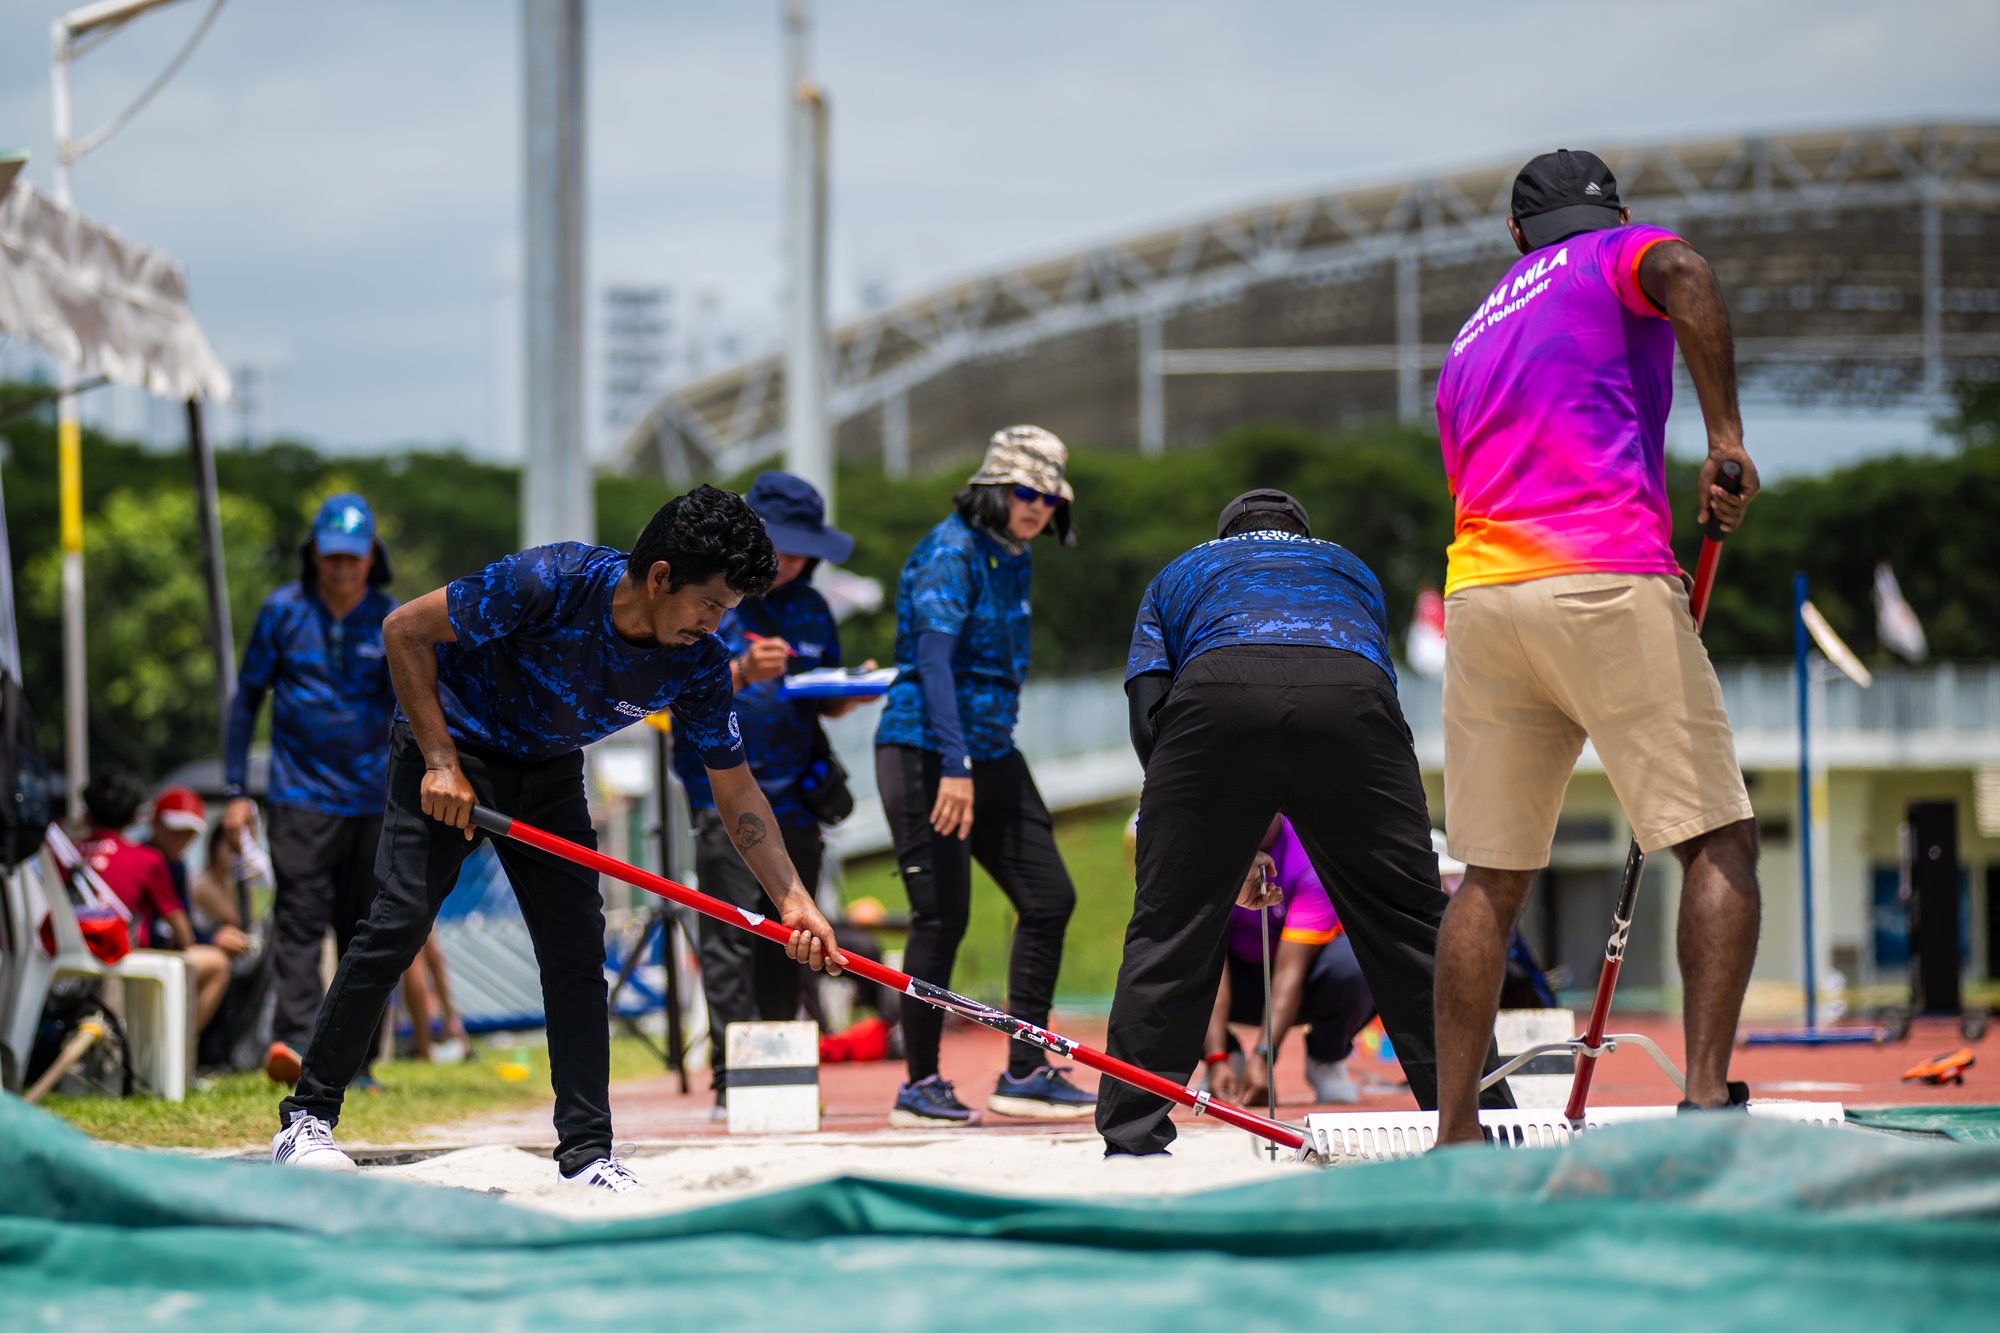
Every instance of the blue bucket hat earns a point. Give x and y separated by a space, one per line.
795 517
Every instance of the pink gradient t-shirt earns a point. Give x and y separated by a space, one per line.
1552 409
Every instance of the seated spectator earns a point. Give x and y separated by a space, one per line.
1315 980
139 875
179 816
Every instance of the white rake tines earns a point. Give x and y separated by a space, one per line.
1378 1135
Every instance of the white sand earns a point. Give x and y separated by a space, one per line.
691 1173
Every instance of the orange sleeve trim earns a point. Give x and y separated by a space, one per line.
1657 240
1290 936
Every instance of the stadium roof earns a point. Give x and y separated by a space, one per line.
1860 265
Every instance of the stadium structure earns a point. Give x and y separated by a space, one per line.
1861 265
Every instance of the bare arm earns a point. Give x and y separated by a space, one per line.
754 831
410 637
1679 281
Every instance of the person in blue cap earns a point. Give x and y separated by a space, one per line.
317 651
789 629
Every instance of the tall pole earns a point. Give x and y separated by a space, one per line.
1801 651
208 515
808 444
556 499
69 476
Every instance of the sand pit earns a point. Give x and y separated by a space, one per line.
690 1173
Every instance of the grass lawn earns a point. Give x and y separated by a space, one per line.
1093 847
241 1110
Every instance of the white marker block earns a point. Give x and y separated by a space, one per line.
773 1078
1543 1083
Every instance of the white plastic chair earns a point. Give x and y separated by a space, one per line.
155 993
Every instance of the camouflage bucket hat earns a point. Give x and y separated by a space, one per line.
1025 456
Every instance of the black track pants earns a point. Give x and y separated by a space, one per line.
744 976
1014 841
1246 733
325 871
416 867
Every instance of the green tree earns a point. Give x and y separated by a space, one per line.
150 674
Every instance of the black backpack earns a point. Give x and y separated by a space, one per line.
26 784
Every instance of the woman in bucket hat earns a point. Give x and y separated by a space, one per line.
953 786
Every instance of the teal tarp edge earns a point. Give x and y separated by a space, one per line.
1715 1221
1963 1124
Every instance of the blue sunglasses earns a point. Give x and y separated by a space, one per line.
1028 495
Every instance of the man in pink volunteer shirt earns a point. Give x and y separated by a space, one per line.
1567 613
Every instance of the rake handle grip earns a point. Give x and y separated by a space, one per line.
502 826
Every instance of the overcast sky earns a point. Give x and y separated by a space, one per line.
342 180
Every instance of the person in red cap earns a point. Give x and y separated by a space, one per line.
179 817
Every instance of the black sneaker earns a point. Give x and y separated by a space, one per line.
1042 1095
1739 1100
929 1103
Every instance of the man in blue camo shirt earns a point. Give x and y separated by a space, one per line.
317 650
1260 684
788 630
502 678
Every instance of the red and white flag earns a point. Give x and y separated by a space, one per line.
1896 625
1425 650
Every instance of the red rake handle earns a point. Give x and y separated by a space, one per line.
1635 859
502 826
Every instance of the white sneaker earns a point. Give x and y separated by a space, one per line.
606 1173
1331 1083
308 1142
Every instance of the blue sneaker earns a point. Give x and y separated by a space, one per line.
929 1103
1042 1095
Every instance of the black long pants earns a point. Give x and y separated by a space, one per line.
1246 733
744 977
1014 840
325 871
417 866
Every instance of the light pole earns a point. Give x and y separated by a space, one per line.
64 35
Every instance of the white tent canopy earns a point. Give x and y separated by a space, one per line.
100 303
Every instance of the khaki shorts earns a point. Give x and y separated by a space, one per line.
1534 668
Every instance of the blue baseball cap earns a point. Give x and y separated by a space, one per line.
345 526
795 517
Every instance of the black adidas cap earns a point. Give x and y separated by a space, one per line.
1263 500
1562 193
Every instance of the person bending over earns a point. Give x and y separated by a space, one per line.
502 678
1260 684
1315 980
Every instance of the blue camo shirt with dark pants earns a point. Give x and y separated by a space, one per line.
538 671
961 583
331 701
1282 701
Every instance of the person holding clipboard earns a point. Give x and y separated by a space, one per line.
788 631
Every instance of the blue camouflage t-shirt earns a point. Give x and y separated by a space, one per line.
777 731
959 581
539 670
331 701
1260 587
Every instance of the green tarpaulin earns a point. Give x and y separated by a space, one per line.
1705 1222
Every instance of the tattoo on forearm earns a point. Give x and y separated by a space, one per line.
749 831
